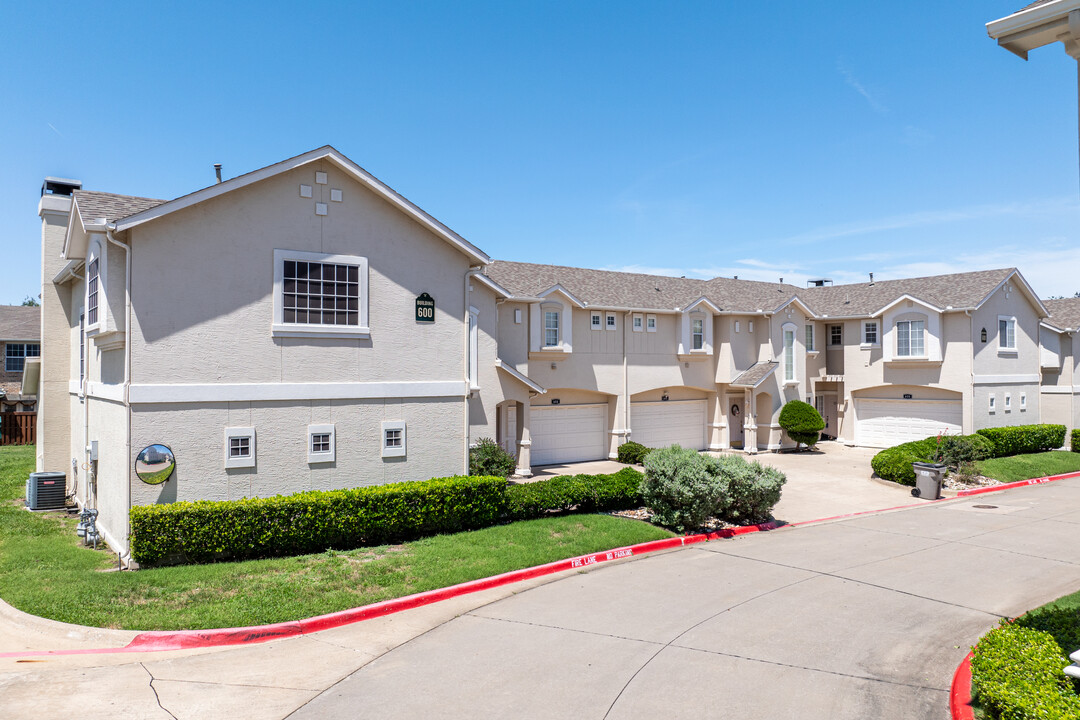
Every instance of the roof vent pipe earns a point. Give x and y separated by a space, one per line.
871 278
217 171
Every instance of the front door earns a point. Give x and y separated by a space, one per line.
736 415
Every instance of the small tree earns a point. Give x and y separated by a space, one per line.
801 422
488 458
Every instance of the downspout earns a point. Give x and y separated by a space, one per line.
465 366
627 431
970 421
125 557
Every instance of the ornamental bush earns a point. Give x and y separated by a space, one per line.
802 422
310 522
1074 440
683 488
1016 673
1021 439
957 450
582 493
894 463
633 453
753 490
488 458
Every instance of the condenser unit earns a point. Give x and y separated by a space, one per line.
46 491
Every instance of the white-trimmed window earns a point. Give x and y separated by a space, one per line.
750 326
697 333
239 447
639 322
910 338
610 321
596 321
551 327
992 407
736 326
393 438
517 316
322 447
319 294
1008 402
810 347
789 353
93 287
15 355
1023 402
1006 334
870 333
650 323
836 334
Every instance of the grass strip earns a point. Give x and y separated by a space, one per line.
1024 467
46 571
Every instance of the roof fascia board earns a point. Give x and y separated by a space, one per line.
520 377
324 153
68 271
494 286
1028 19
906 296
558 288
1054 328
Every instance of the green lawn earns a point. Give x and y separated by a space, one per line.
45 570
1025 467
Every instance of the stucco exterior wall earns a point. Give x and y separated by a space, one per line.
53 441
108 426
483 401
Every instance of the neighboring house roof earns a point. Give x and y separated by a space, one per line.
18 322
1064 314
94 205
755 375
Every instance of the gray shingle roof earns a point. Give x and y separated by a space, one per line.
1064 314
20 323
959 290
1035 4
94 205
755 375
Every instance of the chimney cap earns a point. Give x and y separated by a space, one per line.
60 186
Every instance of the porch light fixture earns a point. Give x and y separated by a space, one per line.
982 335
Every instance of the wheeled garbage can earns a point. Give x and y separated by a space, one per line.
928 478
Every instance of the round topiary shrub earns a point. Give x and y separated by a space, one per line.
802 422
683 488
632 453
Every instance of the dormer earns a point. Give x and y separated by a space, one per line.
910 330
696 336
551 323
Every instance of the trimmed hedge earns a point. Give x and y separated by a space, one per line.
583 493
1016 673
895 463
311 522
1022 439
1075 440
955 450
633 453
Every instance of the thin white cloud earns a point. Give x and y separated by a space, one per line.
54 129
849 77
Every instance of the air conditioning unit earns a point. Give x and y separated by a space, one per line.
46 491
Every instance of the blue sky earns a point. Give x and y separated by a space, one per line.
763 140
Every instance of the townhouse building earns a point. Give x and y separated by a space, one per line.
303 326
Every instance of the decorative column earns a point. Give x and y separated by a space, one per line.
524 444
750 443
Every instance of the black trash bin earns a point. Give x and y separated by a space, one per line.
928 479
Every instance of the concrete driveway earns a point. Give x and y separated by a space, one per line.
858 618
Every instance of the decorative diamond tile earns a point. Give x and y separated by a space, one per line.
305 191
335 195
320 208
320 178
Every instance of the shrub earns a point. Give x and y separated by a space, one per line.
682 487
1063 624
488 458
1020 439
956 450
311 522
583 493
895 463
802 422
1016 673
633 453
753 490
1074 440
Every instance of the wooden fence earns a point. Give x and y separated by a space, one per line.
18 428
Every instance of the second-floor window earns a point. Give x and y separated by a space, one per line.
551 328
870 334
16 353
92 277
909 338
1007 334
836 334
789 355
697 332
810 338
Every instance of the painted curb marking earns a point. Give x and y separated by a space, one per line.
960 693
1020 483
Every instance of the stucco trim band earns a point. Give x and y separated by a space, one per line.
249 392
1004 379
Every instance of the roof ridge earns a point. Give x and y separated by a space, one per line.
119 195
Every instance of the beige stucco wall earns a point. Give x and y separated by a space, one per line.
484 400
53 440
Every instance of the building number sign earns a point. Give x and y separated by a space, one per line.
425 308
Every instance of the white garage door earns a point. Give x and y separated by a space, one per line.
884 423
659 424
568 433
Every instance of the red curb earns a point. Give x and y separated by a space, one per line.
1020 483
960 693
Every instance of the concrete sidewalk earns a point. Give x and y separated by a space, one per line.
864 617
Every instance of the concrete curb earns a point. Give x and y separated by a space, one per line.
960 692
188 639
1020 483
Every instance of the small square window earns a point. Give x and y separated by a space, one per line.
870 333
750 326
393 438
1023 402
596 321
836 334
736 326
1008 402
611 321
650 323
993 403
639 322
239 447
321 444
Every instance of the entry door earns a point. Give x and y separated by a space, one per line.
509 442
736 416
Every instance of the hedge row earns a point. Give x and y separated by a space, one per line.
311 522
1020 439
1016 673
1075 441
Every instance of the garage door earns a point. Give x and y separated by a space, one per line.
568 433
884 423
659 424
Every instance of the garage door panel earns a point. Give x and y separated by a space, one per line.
884 423
568 433
667 423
